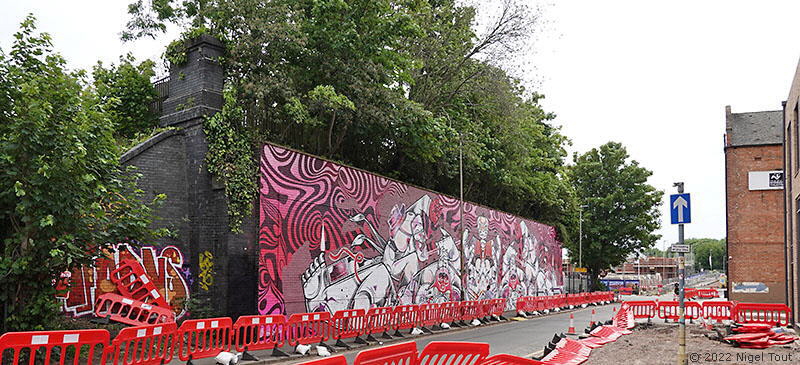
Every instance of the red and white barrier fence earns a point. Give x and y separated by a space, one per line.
551 302
199 338
142 345
743 313
772 314
130 311
66 344
670 310
152 341
253 333
718 311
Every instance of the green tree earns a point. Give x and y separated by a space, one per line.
622 208
127 93
705 247
63 195
400 88
654 251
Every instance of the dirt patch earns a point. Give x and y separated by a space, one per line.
659 345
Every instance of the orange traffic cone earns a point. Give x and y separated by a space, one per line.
571 329
591 323
614 309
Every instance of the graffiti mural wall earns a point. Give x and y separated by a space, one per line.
333 237
163 266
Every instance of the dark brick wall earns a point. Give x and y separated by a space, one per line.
173 163
162 163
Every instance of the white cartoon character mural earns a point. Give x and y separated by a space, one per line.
346 279
439 282
539 281
512 283
482 255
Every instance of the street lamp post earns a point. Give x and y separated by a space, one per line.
580 235
580 239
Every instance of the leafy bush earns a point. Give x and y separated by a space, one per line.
63 195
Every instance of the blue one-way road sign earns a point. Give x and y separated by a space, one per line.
680 208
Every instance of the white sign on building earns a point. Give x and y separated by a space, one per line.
765 180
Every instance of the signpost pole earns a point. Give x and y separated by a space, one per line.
580 237
682 279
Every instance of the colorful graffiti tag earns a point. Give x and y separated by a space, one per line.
206 275
163 266
333 237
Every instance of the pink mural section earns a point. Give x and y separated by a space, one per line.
333 237
164 267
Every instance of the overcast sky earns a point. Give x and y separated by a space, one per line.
653 77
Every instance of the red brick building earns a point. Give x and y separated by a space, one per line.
754 206
667 267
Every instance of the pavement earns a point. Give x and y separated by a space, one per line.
516 336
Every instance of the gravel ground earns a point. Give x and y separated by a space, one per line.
659 345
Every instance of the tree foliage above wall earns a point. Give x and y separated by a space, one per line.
395 87
127 93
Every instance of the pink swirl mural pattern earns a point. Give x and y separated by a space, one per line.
333 237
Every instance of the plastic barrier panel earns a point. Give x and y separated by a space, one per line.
761 313
523 304
539 304
349 323
379 320
399 354
450 311
252 333
132 282
428 315
42 344
469 310
573 300
641 308
606 332
484 306
142 345
561 301
307 328
563 357
707 293
548 302
718 311
498 307
335 360
453 353
669 310
405 317
504 359
575 347
199 338
130 311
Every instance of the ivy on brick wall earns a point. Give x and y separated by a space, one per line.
230 159
175 53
